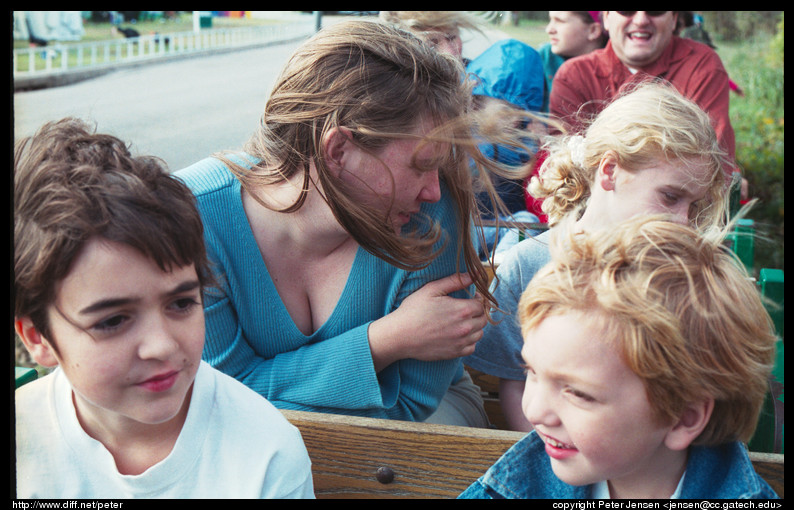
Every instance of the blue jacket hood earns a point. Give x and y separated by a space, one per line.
509 70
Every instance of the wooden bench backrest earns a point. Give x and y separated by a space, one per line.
349 454
427 460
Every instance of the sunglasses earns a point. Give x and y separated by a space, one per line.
652 14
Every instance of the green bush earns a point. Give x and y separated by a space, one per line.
758 120
740 25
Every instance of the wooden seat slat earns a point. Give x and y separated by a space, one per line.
428 460
770 467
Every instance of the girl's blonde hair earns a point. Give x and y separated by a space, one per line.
643 124
678 306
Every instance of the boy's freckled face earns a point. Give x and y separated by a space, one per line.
587 405
133 339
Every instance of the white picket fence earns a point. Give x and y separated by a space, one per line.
61 58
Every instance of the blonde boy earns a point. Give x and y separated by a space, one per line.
647 352
109 264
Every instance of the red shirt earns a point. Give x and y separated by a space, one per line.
694 69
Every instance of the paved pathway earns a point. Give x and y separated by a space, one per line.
180 111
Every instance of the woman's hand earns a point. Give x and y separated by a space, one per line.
429 325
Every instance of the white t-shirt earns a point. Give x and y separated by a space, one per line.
234 444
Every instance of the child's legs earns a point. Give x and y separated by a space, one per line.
462 405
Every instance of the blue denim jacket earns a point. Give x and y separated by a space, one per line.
524 472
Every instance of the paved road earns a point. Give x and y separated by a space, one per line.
180 111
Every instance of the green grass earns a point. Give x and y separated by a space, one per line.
758 120
532 32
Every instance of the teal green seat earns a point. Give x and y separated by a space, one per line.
769 435
24 375
742 242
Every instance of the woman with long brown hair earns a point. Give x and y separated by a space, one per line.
342 237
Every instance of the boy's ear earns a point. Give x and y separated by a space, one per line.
39 347
336 145
690 424
594 31
606 175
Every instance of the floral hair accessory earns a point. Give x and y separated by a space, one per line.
576 146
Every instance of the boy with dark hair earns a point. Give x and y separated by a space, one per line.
109 266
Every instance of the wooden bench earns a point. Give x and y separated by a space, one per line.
356 457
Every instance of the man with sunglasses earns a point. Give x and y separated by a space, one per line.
640 37
642 46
